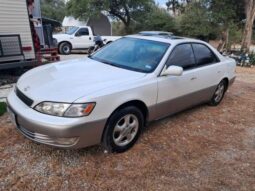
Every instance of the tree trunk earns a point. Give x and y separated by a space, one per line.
224 40
248 30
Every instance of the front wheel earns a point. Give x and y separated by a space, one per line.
123 129
65 48
219 93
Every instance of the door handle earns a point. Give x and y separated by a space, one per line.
89 38
193 78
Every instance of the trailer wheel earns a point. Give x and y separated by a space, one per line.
65 48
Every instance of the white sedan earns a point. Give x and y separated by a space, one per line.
108 97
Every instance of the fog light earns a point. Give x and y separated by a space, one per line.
66 141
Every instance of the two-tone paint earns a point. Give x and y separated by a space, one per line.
86 80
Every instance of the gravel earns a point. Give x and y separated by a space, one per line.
204 148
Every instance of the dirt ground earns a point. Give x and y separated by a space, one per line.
205 148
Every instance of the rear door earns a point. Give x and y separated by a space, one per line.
211 70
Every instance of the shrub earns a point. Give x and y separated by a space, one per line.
3 108
252 58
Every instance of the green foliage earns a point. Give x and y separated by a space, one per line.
2 108
196 21
173 5
157 19
118 28
252 58
123 10
205 19
208 19
235 34
53 9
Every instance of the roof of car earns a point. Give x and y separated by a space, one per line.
151 33
167 39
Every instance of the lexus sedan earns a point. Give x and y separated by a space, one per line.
108 97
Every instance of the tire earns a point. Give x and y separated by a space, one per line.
91 50
123 129
65 48
219 93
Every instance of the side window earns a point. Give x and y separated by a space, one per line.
203 54
183 56
83 32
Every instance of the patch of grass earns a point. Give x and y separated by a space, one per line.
3 108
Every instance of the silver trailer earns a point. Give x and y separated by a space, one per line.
16 43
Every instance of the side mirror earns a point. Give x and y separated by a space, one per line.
173 71
77 34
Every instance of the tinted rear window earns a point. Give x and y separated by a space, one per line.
204 55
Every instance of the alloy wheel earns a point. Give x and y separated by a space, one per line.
125 130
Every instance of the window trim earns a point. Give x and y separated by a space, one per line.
197 66
82 29
173 51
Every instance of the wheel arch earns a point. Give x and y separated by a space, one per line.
227 81
65 41
137 103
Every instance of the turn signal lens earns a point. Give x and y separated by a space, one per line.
79 110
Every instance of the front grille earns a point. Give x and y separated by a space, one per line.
45 139
29 102
35 136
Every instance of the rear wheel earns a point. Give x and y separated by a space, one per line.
123 129
219 93
65 48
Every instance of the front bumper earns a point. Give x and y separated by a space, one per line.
52 130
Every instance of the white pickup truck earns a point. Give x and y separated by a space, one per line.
80 37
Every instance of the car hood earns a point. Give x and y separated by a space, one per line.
69 80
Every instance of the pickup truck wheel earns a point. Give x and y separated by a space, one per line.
65 48
219 93
123 129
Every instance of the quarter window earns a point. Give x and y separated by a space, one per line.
183 56
204 55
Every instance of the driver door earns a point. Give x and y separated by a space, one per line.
83 39
176 93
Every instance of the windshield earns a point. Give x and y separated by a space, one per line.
133 54
71 30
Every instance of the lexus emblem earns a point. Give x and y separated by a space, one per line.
26 88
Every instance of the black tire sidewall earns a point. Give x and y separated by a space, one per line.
108 142
215 103
62 48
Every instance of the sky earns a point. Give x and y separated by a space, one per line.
162 3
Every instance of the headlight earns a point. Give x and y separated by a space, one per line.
79 110
65 109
